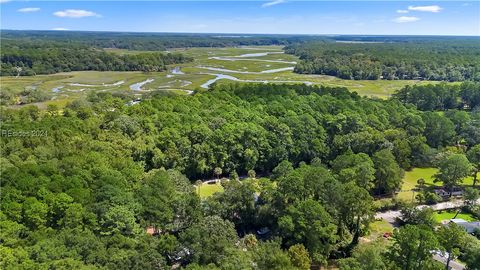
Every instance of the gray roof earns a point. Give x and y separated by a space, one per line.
470 226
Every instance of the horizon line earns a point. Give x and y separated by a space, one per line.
227 33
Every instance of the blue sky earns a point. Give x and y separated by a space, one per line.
276 16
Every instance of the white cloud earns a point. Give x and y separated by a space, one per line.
466 4
402 11
4 1
29 9
60 29
273 3
405 19
75 13
434 8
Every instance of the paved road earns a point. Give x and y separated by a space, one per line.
453 264
391 216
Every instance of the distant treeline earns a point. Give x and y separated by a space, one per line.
29 58
439 59
441 96
153 41
47 52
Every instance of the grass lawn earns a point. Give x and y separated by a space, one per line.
207 190
380 227
377 229
410 181
447 215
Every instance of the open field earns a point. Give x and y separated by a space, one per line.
262 64
410 181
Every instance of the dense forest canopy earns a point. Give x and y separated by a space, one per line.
437 59
152 41
401 38
162 41
82 194
47 57
441 96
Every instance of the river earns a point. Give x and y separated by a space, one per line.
138 86
232 78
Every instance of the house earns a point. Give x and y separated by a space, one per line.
441 192
457 192
134 102
445 194
470 227
180 256
458 220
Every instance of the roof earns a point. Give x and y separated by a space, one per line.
458 220
470 227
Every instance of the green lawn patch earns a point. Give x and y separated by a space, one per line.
410 181
447 215
207 190
376 231
381 226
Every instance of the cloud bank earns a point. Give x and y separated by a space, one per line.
75 13
29 9
433 8
273 3
406 19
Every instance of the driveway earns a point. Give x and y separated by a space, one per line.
454 265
